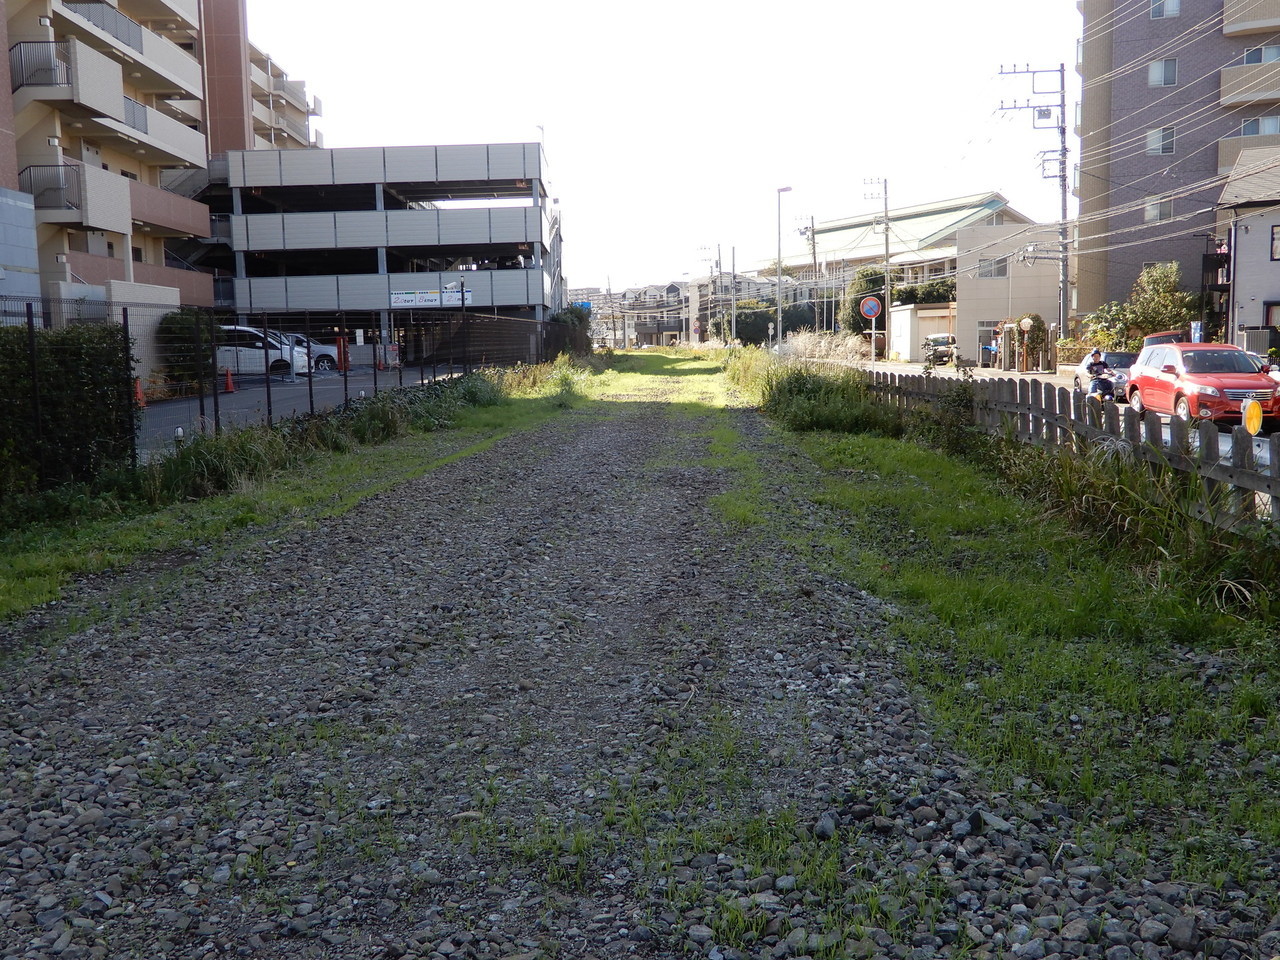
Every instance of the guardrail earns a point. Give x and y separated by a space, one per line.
1052 416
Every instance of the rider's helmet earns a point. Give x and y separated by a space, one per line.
1096 353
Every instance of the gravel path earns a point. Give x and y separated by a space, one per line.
538 703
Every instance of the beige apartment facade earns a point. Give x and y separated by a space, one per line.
1173 91
104 98
106 138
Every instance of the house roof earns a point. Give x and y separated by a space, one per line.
1254 179
922 232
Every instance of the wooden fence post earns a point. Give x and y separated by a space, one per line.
1242 460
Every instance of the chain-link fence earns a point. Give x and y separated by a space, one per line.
172 372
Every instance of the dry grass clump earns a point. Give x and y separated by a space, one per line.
842 347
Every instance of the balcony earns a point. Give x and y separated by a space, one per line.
54 186
194 287
1241 17
156 139
73 193
165 214
296 93
1250 83
156 65
1229 148
69 75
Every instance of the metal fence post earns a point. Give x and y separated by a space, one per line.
130 397
36 427
213 353
311 371
266 369
346 359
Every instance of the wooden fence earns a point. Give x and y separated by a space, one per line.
1048 415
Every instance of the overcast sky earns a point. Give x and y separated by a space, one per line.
668 126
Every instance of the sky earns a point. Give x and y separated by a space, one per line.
668 127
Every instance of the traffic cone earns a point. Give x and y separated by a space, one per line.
138 397
229 387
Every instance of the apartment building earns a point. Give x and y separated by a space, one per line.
1173 91
251 103
380 229
105 139
106 96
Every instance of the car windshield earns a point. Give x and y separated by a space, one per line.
1218 361
1120 360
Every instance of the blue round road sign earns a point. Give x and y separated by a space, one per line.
870 307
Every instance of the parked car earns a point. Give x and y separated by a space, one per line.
252 350
1166 336
1118 360
324 357
1203 381
940 348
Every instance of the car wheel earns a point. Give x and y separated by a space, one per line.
325 363
1182 409
1135 401
281 367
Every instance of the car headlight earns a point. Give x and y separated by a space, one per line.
1201 388
1122 377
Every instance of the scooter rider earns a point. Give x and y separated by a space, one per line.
1100 384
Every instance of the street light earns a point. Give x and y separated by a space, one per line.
781 191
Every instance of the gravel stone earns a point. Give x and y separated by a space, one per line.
529 704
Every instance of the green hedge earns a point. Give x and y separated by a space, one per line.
87 418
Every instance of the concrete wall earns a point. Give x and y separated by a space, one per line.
1029 287
18 257
428 164
1256 276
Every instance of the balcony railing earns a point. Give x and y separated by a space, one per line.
110 20
296 91
40 64
298 130
54 186
135 114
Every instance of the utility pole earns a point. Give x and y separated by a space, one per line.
1044 120
733 287
888 274
813 250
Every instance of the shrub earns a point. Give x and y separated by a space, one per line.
86 425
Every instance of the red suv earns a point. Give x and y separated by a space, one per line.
1199 381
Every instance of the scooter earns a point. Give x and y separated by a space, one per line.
1103 389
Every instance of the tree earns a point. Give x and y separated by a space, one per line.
184 342
1156 303
1107 328
866 280
942 290
575 315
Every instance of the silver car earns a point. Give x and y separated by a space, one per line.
324 357
252 350
1118 360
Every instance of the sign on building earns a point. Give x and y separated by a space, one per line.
429 298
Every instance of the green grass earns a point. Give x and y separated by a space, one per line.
1053 661
271 490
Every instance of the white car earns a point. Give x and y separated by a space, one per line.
253 350
324 357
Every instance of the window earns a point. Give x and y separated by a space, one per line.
1256 125
1162 9
1159 210
1275 243
998 267
1160 141
1268 54
1163 73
